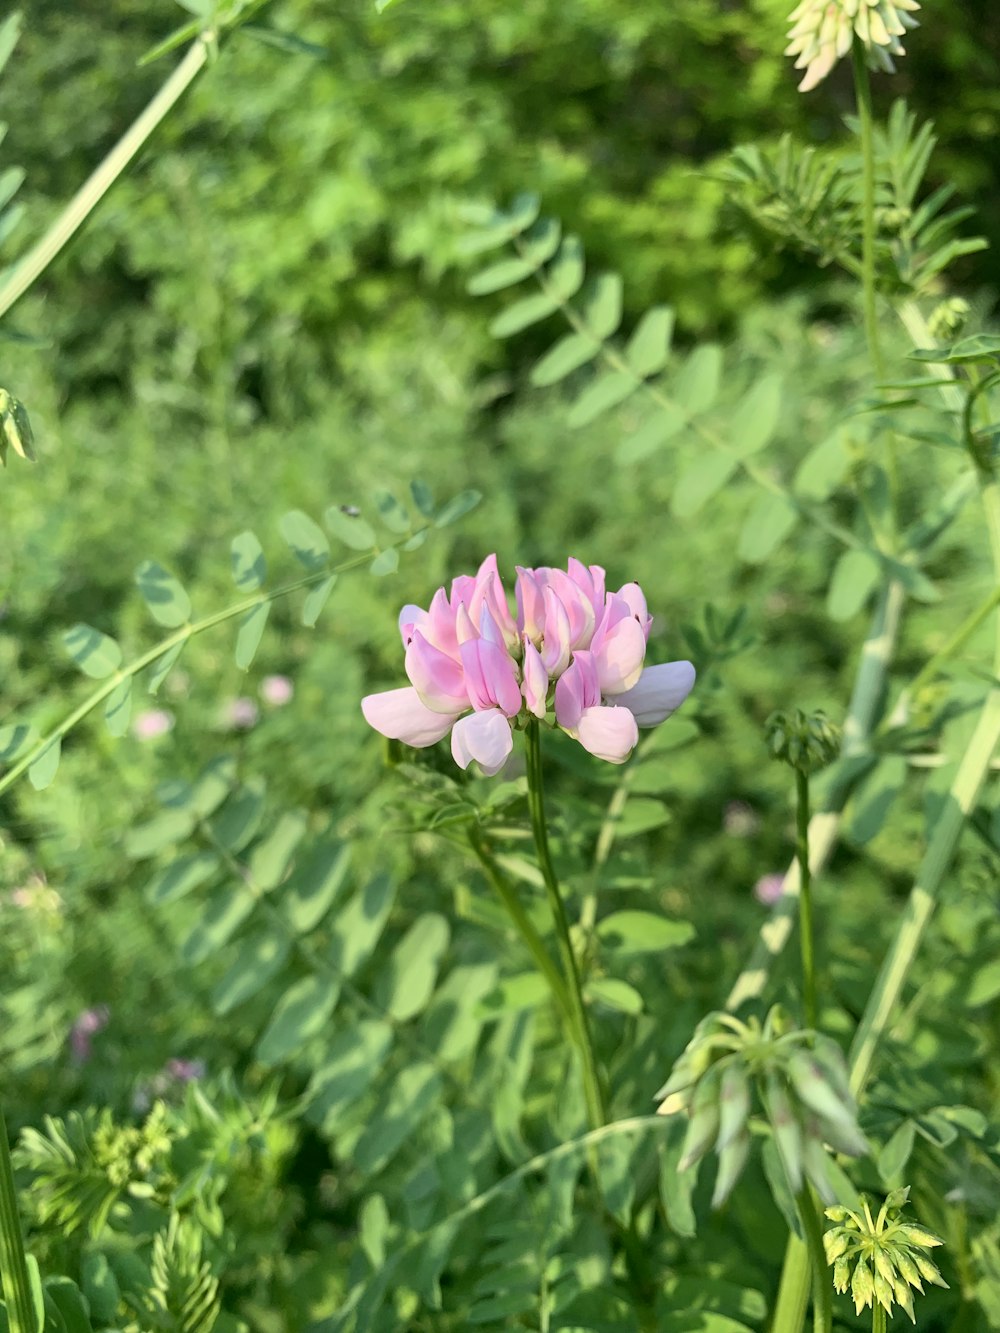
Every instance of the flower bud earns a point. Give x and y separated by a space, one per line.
805 741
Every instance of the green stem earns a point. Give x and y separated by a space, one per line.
813 1229
792 1301
585 1047
878 1319
97 185
805 897
13 1264
535 944
863 92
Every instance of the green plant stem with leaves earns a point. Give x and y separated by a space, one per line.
805 898
13 1265
593 1092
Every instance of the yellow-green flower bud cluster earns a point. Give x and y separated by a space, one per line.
883 1259
822 32
804 741
802 1081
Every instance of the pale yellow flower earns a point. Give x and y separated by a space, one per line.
822 32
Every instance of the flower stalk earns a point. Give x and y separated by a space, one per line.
13 1264
805 898
593 1092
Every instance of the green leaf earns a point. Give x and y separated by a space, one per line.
640 815
609 389
568 354
163 666
496 228
698 383
248 563
914 580
386 562
350 528
634 931
601 305
423 498
42 772
163 830
392 513
504 273
855 577
272 856
354 1060
663 425
250 633
95 653
894 1156
522 314
523 991
168 603
312 607
978 347
70 1304
564 276
221 918
766 526
15 739
406 985
284 41
301 1014
676 1187
540 242
181 877
239 818
615 994
307 539
413 1095
648 350
824 467
313 886
179 37
359 925
703 478
118 708
616 1175
756 415
259 957
457 508
10 32
872 802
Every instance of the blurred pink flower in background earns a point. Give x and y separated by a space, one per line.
474 668
276 690
90 1022
185 1071
769 888
152 723
240 714
34 895
174 1076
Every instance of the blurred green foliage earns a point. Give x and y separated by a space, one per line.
269 312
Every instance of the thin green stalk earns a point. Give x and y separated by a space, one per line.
593 1092
93 190
879 1324
13 1264
535 944
805 897
863 92
822 1294
869 683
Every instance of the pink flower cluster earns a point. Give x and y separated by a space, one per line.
474 668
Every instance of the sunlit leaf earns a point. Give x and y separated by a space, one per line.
649 346
349 527
248 562
316 599
168 603
250 633
306 539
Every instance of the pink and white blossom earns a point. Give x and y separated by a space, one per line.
573 653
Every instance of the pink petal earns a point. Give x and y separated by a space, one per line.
438 678
556 635
590 581
576 689
618 647
530 603
401 716
490 677
485 737
608 733
535 685
661 689
635 600
582 616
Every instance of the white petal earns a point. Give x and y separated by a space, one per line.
401 716
660 690
485 737
608 733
